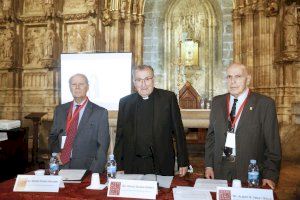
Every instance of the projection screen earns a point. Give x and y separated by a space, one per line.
109 76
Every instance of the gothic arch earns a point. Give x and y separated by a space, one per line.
206 26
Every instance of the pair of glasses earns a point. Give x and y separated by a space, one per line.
146 80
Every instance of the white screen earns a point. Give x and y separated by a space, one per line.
109 76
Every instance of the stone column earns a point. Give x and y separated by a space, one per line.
248 35
237 29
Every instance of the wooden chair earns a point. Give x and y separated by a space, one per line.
190 99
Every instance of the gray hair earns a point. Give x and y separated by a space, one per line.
141 68
82 75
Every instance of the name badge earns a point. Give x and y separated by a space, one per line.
63 141
230 140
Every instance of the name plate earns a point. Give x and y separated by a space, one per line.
31 183
132 189
230 193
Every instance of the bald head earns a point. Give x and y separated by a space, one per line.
238 79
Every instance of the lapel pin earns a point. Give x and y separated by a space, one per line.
251 108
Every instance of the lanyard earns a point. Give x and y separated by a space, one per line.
71 117
239 111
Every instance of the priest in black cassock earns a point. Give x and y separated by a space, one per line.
147 122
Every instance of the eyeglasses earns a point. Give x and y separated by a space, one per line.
147 80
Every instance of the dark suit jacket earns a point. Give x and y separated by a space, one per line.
92 139
166 124
257 137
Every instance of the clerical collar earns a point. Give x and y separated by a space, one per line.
145 98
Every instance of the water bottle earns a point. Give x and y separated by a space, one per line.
53 165
253 174
111 167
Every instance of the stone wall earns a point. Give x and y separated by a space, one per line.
208 76
33 34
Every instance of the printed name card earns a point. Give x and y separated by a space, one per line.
31 183
3 136
230 193
132 189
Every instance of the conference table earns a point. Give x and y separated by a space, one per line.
73 191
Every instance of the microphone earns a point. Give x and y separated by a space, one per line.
153 164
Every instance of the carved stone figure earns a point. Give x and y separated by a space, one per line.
8 43
91 36
123 8
49 8
7 8
49 41
106 18
90 6
290 27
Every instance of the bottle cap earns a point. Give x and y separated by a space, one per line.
252 161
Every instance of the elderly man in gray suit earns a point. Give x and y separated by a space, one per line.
80 130
243 126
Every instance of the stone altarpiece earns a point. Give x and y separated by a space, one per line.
33 34
197 23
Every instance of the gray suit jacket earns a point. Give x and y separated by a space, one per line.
92 139
257 137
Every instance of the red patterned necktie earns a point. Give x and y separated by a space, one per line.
71 133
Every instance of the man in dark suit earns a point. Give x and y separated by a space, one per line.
147 122
80 130
243 126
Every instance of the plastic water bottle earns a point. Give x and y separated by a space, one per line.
53 165
253 174
111 167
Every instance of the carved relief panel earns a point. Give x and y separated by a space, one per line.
33 7
80 37
7 42
34 44
72 6
192 41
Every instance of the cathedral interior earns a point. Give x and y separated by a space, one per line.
187 42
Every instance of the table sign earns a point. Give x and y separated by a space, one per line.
230 193
210 184
3 136
132 189
32 183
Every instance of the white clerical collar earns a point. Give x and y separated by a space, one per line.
145 98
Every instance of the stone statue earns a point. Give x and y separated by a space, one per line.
290 27
90 6
106 18
123 8
7 6
1 44
49 8
49 41
91 36
8 43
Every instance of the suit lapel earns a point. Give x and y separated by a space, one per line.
65 114
224 122
86 114
246 113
